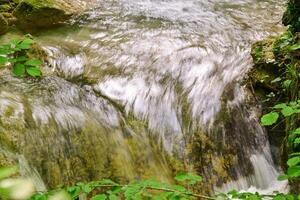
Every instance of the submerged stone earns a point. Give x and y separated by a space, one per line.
46 13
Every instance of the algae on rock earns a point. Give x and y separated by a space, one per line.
46 13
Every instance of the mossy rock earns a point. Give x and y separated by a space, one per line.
5 7
292 14
261 76
3 24
46 13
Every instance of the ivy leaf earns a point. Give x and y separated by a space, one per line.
33 62
269 119
19 69
99 197
33 71
293 161
288 111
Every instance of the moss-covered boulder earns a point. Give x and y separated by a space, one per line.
3 24
46 13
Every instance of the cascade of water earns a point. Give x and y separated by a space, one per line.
137 84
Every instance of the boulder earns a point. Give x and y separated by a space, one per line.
3 24
46 13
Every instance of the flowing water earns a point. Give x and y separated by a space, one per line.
144 88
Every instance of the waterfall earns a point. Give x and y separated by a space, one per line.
138 89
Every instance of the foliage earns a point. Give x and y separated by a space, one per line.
286 50
15 55
14 188
151 190
292 15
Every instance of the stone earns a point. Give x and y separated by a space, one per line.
46 13
3 25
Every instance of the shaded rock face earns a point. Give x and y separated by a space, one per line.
3 24
46 13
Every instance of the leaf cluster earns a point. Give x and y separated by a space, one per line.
14 55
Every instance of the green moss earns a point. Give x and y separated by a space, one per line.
292 14
37 4
44 14
5 8
3 24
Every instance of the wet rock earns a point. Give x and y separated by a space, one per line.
3 24
46 13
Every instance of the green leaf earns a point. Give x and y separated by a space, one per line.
297 141
105 182
33 71
3 60
269 119
21 59
294 47
113 197
293 161
87 188
33 62
19 69
295 154
288 111
296 132
25 44
282 177
276 80
279 197
293 172
280 106
7 171
287 83
74 191
6 51
15 41
189 177
99 197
